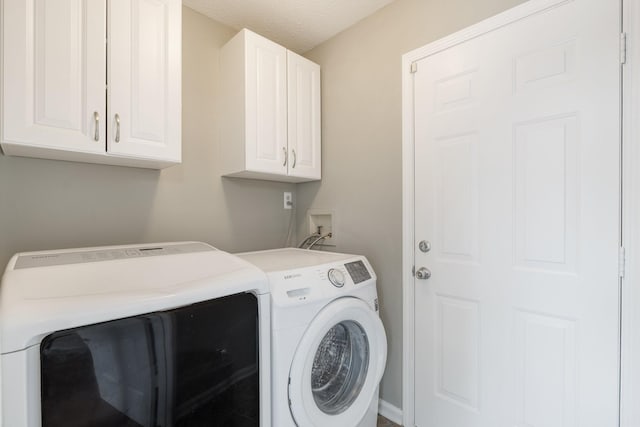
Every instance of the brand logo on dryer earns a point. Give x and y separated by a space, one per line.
292 276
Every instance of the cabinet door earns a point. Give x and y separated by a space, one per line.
53 76
144 72
303 117
266 108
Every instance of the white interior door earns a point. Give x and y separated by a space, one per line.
517 136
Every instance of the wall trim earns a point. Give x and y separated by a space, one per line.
389 411
630 298
493 23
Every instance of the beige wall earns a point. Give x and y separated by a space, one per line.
362 142
46 204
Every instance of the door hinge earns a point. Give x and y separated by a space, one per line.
414 67
413 271
623 48
621 261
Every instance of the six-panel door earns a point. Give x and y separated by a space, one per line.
517 152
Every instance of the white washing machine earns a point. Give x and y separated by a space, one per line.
329 347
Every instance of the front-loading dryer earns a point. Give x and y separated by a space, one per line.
329 347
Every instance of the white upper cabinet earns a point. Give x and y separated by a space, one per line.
303 78
265 77
144 63
92 80
53 75
270 111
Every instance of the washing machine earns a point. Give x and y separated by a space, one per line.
329 346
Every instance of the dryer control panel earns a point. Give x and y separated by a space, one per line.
358 271
300 276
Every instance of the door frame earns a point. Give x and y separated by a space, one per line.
630 415
630 296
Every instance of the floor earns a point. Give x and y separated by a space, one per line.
383 422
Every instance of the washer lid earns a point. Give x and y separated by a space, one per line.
338 365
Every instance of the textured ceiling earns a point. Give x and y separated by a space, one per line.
299 25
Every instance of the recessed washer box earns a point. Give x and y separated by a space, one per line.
322 218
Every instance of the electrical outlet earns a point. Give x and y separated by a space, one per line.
288 200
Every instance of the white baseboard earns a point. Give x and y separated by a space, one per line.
390 412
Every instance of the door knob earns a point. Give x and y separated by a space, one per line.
423 273
424 246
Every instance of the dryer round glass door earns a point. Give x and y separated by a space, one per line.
340 367
338 364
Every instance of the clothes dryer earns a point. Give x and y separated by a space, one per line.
167 334
329 347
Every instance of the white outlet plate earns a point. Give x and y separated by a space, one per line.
288 200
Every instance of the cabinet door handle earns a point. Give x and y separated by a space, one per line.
117 127
284 150
96 120
293 151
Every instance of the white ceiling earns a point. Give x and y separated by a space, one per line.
299 25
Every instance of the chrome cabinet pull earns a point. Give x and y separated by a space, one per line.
117 127
96 120
293 151
284 150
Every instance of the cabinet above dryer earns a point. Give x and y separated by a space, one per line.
95 81
270 111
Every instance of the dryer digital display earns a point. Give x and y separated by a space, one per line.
358 271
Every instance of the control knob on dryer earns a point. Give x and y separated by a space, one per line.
336 277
